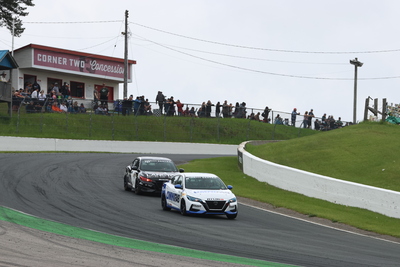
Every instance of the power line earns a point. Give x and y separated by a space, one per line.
268 49
251 58
265 72
71 22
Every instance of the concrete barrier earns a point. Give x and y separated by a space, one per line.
9 143
318 186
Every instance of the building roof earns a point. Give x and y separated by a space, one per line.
76 53
7 61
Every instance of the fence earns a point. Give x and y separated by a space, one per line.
154 127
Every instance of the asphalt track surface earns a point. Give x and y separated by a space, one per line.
86 190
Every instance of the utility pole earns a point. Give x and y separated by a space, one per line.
126 55
356 64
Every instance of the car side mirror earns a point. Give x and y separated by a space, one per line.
230 187
134 168
181 170
178 186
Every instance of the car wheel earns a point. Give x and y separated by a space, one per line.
183 208
164 203
138 191
126 186
231 216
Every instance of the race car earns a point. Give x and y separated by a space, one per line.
199 193
148 174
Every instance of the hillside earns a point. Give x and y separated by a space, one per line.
366 153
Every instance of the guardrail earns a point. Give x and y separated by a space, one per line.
318 186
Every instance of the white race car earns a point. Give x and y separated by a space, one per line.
199 193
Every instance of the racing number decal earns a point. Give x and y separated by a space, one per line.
173 197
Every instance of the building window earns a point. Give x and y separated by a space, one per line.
77 89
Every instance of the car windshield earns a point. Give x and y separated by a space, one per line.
210 183
158 166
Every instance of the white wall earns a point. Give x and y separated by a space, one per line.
379 200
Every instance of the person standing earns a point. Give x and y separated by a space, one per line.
3 77
294 115
265 114
305 119
104 92
160 99
310 116
218 109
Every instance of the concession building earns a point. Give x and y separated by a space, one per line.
83 72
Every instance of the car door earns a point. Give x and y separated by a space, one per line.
174 194
135 171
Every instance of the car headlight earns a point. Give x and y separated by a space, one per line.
232 200
194 199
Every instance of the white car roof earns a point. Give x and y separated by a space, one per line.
199 174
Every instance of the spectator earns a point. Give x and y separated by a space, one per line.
56 89
147 107
160 99
317 125
55 108
96 95
278 119
225 109
186 111
179 105
104 93
35 86
310 116
82 108
171 106
192 112
293 117
257 117
202 110
339 123
64 107
208 108
3 77
136 105
265 114
65 90
42 96
218 109
35 94
305 119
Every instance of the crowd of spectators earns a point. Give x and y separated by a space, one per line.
58 99
55 100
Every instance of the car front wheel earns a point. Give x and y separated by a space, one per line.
164 203
138 191
126 186
183 208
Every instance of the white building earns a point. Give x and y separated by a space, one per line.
84 72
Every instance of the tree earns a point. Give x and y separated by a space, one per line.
14 9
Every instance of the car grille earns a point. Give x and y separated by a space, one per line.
215 205
159 185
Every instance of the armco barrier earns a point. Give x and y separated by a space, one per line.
318 186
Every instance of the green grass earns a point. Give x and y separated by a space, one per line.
142 128
367 153
246 186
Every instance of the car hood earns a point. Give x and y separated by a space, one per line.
210 194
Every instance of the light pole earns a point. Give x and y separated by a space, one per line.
356 64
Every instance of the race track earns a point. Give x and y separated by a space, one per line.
86 190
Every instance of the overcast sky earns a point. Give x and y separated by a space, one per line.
282 54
